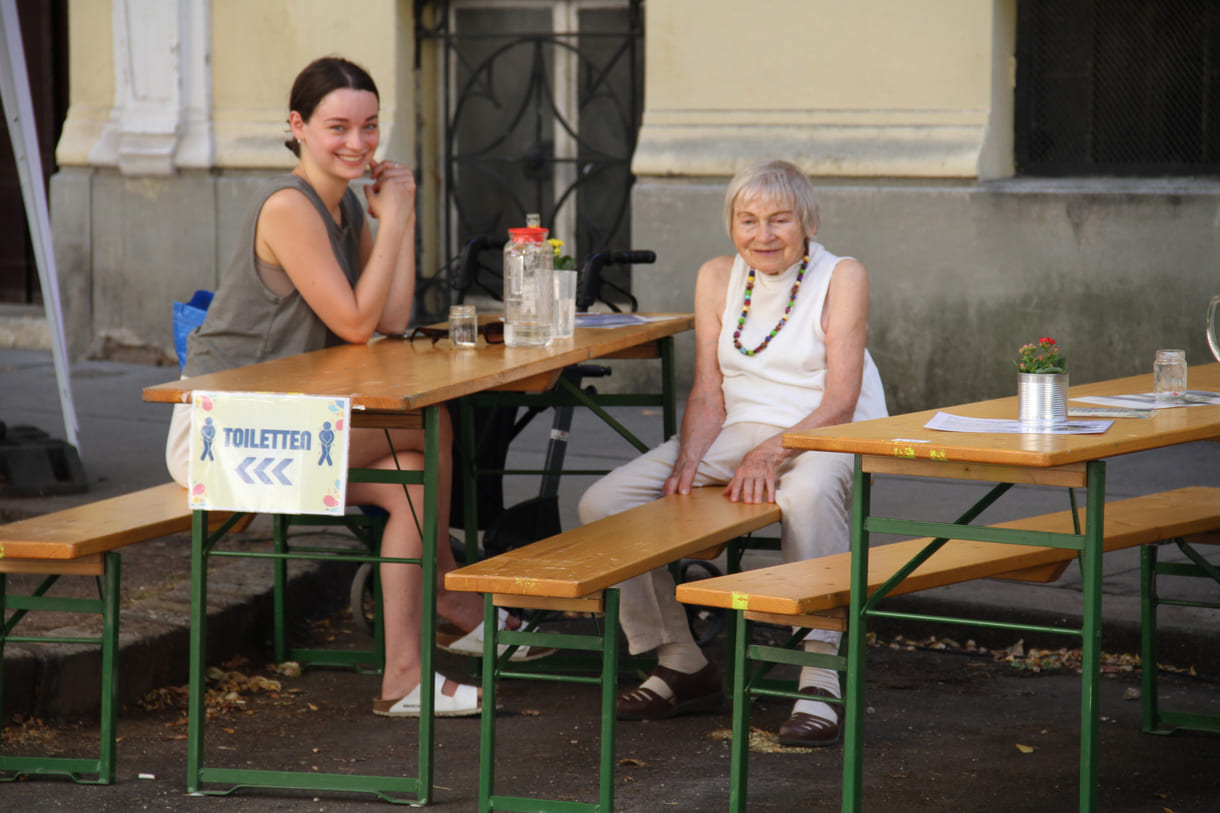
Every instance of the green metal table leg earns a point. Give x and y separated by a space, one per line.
1148 654
198 655
279 525
853 741
428 540
1090 660
468 461
669 400
202 542
1090 547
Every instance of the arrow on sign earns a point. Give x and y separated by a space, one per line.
258 470
260 473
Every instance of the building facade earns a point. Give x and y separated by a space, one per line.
968 152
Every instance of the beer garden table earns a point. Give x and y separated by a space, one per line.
901 445
395 383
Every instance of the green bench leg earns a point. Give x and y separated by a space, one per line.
1155 719
750 667
496 667
609 681
487 721
110 665
739 764
107 606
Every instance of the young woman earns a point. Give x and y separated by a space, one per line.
308 273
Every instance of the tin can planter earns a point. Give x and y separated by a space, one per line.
1042 398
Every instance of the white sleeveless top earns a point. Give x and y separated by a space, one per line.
784 383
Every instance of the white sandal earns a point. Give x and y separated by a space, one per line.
451 639
465 702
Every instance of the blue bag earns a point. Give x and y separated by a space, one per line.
187 317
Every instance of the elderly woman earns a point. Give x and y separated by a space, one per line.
780 333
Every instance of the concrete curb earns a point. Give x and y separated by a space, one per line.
64 680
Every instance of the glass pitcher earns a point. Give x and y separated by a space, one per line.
1211 326
528 288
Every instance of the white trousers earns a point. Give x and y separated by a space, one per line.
813 491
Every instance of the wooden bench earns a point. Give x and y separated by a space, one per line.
815 593
576 571
83 541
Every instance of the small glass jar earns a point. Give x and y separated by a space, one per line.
1169 375
463 326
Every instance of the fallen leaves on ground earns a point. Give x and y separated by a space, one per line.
24 730
761 742
228 688
1031 660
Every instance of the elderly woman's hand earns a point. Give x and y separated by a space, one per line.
754 480
681 478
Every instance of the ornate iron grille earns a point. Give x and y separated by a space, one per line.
1118 87
534 119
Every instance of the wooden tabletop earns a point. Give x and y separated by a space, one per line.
396 375
904 436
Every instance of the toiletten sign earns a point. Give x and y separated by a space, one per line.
264 453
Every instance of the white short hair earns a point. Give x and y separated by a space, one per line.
780 180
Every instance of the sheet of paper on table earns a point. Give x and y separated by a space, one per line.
1147 400
1108 412
945 422
614 319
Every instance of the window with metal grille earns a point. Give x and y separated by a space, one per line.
1118 87
539 107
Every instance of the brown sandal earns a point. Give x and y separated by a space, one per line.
696 693
803 730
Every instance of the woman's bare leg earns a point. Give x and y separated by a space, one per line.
401 584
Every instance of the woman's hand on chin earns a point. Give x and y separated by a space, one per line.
391 195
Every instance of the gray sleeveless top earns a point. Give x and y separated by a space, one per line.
246 323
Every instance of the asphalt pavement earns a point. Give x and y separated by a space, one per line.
120 446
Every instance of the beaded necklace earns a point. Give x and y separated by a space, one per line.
783 320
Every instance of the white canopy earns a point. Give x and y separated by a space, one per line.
19 114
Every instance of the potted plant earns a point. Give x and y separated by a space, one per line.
1042 383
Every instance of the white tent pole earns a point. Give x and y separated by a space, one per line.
19 114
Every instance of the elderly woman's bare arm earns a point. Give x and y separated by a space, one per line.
845 322
705 410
